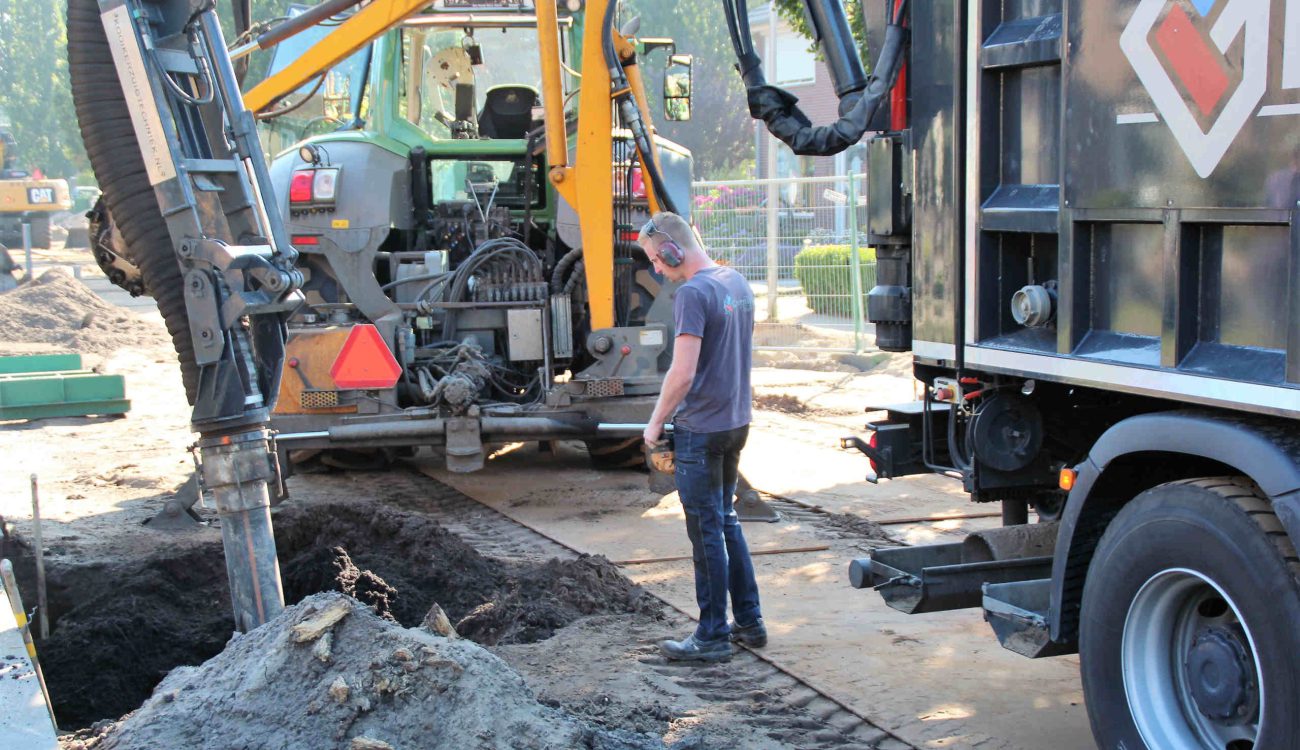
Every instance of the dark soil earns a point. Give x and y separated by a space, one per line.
537 601
118 630
856 527
782 402
129 626
423 562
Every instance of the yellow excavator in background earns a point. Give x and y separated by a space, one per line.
27 199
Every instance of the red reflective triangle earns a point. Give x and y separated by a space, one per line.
364 361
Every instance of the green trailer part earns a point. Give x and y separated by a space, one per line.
55 385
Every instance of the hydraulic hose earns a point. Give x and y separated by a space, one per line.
631 115
779 109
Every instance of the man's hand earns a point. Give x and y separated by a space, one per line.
653 434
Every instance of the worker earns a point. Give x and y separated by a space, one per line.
706 392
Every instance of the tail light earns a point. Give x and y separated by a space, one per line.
314 187
638 183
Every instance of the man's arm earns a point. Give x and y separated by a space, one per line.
677 383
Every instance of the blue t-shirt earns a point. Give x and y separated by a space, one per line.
717 305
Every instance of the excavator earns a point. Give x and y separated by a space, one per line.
27 199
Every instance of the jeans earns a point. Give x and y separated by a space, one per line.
707 468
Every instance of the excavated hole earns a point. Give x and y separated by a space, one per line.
118 629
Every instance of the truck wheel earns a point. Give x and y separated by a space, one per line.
1188 637
41 235
628 453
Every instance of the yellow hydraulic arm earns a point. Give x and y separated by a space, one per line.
351 35
588 184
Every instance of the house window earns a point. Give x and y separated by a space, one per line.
795 63
788 165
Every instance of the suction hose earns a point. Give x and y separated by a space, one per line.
105 121
779 108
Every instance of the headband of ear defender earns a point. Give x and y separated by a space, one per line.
669 251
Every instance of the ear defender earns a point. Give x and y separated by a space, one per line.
670 253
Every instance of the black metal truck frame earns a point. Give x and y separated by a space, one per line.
1086 222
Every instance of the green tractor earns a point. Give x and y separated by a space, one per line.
464 284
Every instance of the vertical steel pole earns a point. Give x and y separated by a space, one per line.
236 470
773 191
37 538
27 246
855 264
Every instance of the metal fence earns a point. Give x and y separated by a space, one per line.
801 242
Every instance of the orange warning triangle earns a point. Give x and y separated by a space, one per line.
364 361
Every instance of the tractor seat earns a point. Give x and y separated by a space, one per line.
508 111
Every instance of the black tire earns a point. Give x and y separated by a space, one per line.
1151 589
119 169
106 246
41 234
626 453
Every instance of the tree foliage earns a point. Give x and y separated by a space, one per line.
35 96
793 12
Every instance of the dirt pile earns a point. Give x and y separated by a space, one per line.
421 561
119 629
537 601
782 402
404 563
329 673
58 310
856 527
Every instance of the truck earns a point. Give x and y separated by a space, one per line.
425 262
1087 223
27 199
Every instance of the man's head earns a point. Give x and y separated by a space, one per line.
672 246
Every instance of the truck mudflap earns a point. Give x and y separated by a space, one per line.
1018 613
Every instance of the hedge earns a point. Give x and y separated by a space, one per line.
825 273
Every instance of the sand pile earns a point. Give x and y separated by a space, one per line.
329 673
58 310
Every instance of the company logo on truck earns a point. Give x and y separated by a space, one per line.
1181 58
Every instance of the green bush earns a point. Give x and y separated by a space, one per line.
825 273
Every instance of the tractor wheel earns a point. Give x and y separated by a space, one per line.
106 129
1188 637
628 453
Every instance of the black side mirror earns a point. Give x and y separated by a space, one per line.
677 88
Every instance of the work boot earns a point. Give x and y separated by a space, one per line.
693 649
751 636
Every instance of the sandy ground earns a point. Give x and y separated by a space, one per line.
938 681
